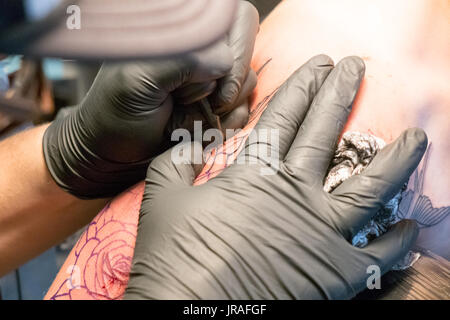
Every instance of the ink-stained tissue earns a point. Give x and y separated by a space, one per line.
354 153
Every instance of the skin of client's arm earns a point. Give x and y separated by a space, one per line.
35 214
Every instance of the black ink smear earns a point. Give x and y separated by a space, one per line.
415 205
263 66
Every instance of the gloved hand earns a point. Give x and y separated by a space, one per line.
244 235
106 145
230 97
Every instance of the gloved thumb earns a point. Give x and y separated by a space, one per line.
177 166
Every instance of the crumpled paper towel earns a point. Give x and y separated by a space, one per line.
354 153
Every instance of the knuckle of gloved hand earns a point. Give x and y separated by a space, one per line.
126 74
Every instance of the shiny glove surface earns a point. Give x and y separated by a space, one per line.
106 144
247 235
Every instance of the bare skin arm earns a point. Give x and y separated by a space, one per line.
35 213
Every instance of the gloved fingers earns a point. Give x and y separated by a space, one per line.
290 104
311 152
388 249
236 119
241 40
166 76
194 92
177 166
209 64
361 196
246 90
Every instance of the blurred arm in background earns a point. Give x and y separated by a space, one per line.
35 213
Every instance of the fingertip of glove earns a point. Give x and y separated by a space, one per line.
418 136
412 145
354 65
322 60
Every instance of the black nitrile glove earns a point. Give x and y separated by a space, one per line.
232 90
229 97
106 144
244 235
